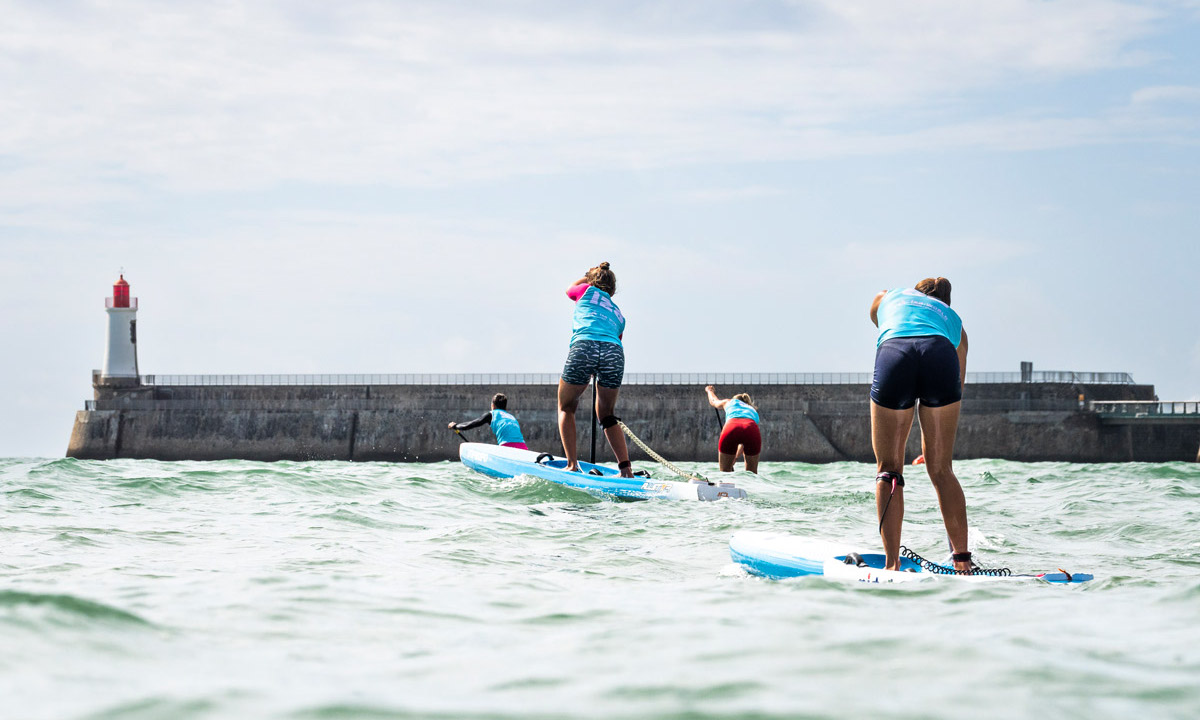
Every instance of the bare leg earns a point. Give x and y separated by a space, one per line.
889 432
725 461
568 401
939 426
752 463
606 403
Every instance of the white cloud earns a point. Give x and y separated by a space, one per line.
1166 93
732 193
225 97
904 255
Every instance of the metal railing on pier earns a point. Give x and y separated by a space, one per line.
811 407
508 379
500 379
1053 376
1146 408
969 406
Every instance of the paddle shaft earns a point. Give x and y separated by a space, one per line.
593 414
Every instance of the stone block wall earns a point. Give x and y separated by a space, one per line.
407 423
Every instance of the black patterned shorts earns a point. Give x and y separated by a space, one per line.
586 358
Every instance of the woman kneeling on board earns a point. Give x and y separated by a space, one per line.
921 356
740 435
504 426
595 351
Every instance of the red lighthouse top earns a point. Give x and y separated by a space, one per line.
120 297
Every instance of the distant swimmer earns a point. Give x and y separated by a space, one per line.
920 357
504 426
740 434
595 351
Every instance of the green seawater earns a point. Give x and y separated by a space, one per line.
141 589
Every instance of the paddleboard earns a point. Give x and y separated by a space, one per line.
507 462
778 556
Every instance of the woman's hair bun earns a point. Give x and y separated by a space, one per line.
602 277
935 287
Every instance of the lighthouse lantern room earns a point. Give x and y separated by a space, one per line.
120 358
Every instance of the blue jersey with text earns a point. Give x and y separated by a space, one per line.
905 312
597 317
506 428
737 409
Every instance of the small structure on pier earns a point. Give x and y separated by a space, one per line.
120 367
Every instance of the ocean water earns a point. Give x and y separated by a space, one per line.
142 589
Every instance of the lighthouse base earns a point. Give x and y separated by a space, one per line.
117 382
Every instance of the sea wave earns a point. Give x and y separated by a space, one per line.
59 609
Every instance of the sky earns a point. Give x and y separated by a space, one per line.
389 187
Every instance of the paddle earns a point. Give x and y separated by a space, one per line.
593 414
461 437
717 410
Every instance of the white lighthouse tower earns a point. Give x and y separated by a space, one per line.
120 358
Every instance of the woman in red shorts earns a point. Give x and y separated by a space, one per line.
740 434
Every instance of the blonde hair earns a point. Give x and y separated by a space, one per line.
745 397
601 278
935 287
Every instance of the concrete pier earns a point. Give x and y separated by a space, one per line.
1027 421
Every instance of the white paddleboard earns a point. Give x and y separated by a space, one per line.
778 556
507 462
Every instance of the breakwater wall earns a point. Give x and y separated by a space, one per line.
1026 421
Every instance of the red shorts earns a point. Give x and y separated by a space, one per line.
740 431
519 446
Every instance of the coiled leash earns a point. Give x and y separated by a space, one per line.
936 569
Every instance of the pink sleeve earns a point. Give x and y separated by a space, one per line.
577 292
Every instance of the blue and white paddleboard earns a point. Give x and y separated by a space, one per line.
776 555
507 462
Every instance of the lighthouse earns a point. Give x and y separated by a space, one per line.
120 357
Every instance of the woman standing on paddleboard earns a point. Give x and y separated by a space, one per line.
596 351
740 433
920 357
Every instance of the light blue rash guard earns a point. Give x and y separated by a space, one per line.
506 428
905 312
737 409
597 317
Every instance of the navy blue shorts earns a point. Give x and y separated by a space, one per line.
916 368
586 358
